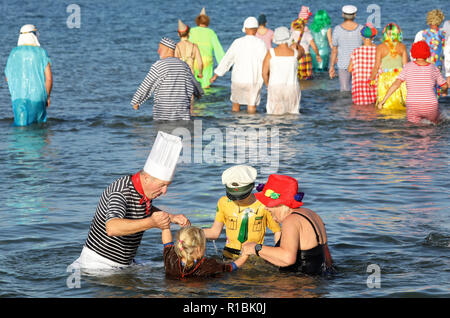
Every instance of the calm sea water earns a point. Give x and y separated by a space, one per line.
380 184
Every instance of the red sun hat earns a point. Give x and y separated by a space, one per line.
420 50
280 189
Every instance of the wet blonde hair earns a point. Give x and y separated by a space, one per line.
435 17
189 240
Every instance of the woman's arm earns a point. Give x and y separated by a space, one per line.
330 39
350 66
198 59
48 82
390 91
377 64
285 254
328 259
266 69
316 50
404 55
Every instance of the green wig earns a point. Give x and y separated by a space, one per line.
392 33
321 20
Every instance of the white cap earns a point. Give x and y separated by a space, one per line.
163 158
349 9
28 35
239 176
250 23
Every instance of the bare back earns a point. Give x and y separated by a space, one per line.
400 48
307 235
283 50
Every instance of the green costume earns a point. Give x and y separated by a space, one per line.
207 41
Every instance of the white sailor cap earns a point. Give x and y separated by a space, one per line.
349 9
239 176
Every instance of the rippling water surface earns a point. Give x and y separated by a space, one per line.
380 184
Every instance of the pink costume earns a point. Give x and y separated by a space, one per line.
421 99
267 38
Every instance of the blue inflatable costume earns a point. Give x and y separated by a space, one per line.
25 73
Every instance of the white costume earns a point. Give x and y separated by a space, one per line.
283 91
306 39
246 55
447 59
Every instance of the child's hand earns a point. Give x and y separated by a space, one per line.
241 260
181 220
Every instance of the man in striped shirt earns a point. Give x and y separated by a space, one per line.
346 37
125 210
171 82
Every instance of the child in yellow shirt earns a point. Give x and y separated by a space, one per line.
244 217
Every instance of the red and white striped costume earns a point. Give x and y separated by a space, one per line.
363 60
421 99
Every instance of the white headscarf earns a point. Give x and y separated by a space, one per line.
28 36
282 35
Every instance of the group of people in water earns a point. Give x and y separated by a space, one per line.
378 75
126 210
375 74
382 75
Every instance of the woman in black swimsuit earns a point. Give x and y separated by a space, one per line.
303 243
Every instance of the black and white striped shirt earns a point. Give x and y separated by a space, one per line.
172 83
119 200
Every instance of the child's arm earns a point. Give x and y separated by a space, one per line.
166 236
239 262
214 231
